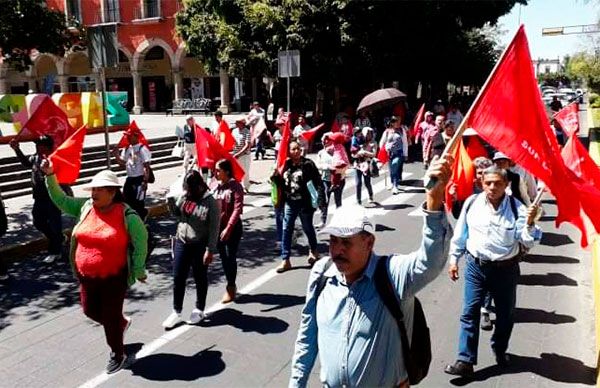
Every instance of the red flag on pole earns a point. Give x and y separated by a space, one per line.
48 119
224 136
475 149
383 155
210 151
132 129
311 133
463 175
568 118
418 119
66 160
510 115
284 145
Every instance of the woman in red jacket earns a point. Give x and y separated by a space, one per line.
230 195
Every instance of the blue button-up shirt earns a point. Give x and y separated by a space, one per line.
492 234
357 339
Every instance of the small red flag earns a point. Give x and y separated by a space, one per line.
48 119
210 151
383 155
284 145
335 127
568 118
66 160
510 115
418 120
132 129
311 133
224 136
463 175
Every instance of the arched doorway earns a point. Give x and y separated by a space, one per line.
156 80
118 79
81 77
46 74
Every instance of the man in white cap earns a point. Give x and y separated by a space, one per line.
344 320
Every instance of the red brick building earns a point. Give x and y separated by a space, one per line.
153 66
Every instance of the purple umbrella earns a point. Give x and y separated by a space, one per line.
381 98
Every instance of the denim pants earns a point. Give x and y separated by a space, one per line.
228 253
292 210
186 255
337 197
501 282
396 169
279 221
102 301
48 220
359 177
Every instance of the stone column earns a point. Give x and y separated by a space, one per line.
178 84
225 99
63 82
138 99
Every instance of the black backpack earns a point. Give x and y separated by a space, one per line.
417 352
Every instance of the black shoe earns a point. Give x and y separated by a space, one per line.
115 363
486 322
460 368
502 360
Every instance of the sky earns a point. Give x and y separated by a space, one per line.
538 14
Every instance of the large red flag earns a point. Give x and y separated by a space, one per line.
132 129
510 115
210 151
475 149
66 160
568 118
224 136
463 175
311 133
418 119
48 119
284 145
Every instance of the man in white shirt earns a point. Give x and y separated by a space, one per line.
454 115
492 230
241 150
136 159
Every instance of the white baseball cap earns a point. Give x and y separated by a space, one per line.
105 178
349 220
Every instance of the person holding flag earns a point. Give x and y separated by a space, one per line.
46 216
135 157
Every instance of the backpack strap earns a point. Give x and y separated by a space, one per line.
387 293
469 203
513 207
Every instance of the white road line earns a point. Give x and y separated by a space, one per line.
253 285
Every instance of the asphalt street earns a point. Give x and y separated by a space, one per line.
46 341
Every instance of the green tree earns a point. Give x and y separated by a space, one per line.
26 25
586 66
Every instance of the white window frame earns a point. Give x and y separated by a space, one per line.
143 8
104 6
78 7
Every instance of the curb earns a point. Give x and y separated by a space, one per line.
16 252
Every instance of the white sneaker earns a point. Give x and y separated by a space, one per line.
319 226
196 316
395 190
51 259
172 320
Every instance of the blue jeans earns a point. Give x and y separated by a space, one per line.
279 222
396 167
293 209
228 253
188 255
359 177
48 220
501 282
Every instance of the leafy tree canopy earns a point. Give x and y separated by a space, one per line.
358 42
26 25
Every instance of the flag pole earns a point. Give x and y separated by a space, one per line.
430 182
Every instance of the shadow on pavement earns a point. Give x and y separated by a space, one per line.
549 259
555 239
398 206
549 280
383 228
175 367
413 182
278 302
525 315
246 323
551 366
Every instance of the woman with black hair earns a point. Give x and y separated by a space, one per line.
230 196
195 244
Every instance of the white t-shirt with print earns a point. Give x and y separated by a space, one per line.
135 157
